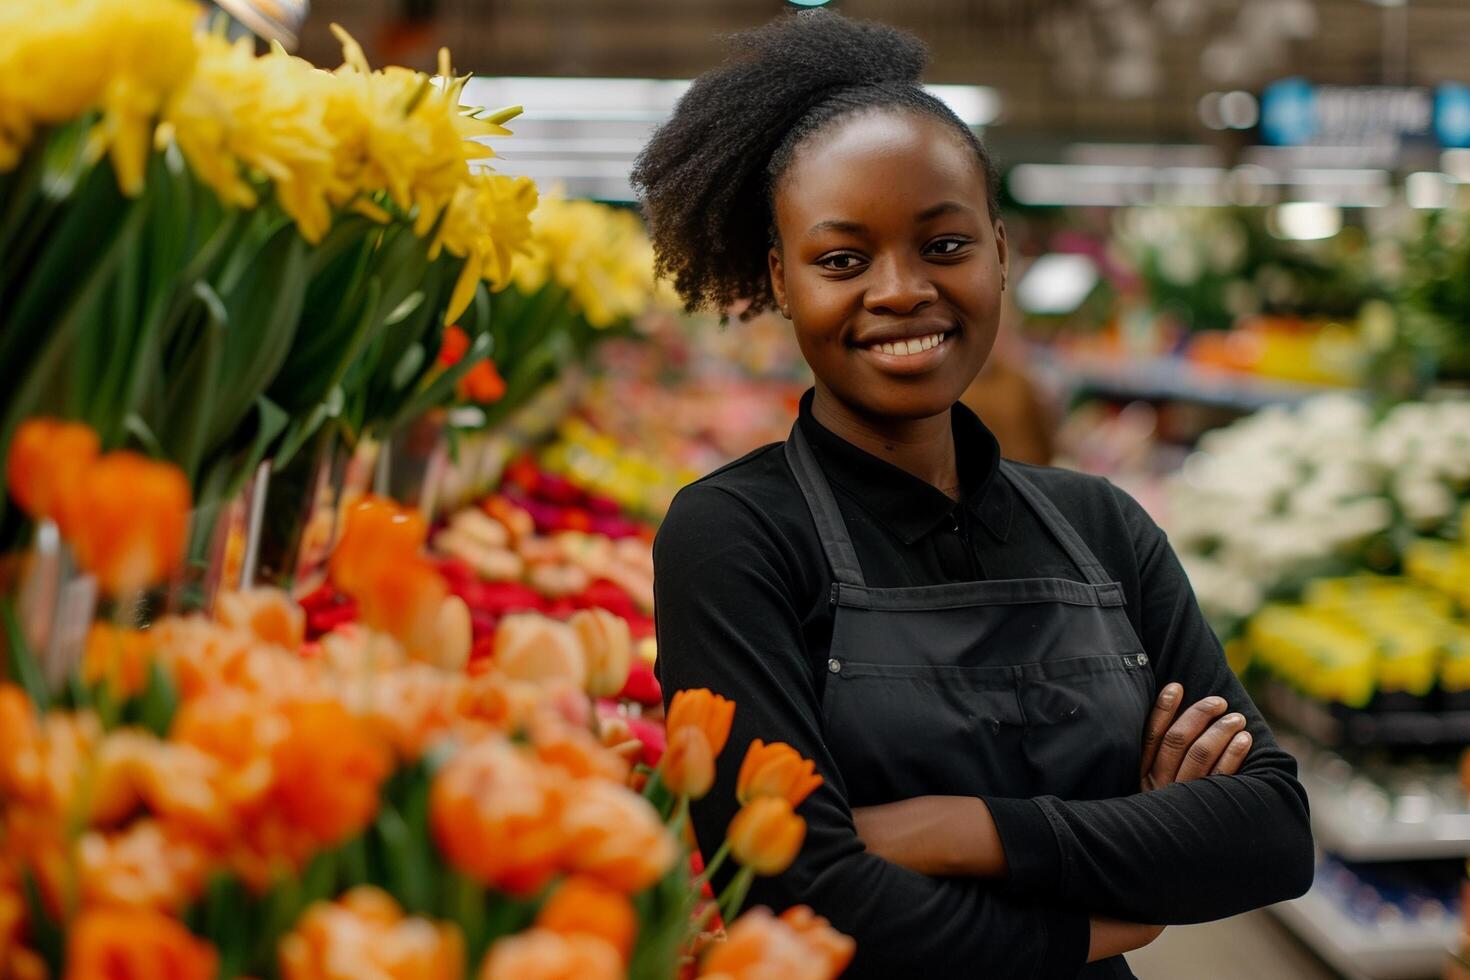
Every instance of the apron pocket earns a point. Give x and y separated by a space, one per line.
901 730
1084 721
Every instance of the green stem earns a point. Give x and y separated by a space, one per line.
713 867
681 817
734 895
654 784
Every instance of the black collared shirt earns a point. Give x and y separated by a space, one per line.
742 586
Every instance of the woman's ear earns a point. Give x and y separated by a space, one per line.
1002 252
778 279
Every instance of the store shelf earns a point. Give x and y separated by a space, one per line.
1355 833
1394 951
1169 378
1339 726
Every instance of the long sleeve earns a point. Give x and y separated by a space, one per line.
1189 852
728 619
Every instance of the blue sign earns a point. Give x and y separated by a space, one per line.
1452 114
1289 112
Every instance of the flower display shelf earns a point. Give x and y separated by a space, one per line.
1339 726
1168 378
1401 951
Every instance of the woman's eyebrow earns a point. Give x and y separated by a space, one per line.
942 208
834 224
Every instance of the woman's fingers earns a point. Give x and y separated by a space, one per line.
1159 719
1207 751
1234 757
1182 734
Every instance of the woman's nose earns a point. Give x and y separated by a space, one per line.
899 286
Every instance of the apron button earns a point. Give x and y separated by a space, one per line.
1143 660
834 666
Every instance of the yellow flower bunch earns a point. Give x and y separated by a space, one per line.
599 254
488 220
239 114
399 132
62 58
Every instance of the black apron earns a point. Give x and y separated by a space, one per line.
1013 688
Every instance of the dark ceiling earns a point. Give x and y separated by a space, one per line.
1088 69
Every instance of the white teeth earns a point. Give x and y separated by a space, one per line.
903 348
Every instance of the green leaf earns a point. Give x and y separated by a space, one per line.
440 391
159 701
46 934
408 366
21 664
189 405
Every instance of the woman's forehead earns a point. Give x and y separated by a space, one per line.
899 162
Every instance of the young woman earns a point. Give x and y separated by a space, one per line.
1034 752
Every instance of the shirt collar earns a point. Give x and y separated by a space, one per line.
903 503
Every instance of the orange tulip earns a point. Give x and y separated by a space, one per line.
776 770
688 767
376 531
495 816
132 515
539 954
574 748
456 343
143 866
405 599
583 906
608 648
766 835
615 836
530 647
271 615
482 384
45 468
797 946
704 710
365 934
135 944
328 771
121 657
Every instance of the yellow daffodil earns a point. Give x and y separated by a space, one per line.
61 58
400 133
599 254
239 116
488 221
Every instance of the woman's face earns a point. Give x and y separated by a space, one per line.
888 263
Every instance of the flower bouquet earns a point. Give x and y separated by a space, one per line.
215 797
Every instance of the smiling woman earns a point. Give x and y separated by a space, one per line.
1032 752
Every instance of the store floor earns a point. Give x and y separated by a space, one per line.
1248 947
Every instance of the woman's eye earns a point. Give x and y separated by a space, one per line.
840 262
947 246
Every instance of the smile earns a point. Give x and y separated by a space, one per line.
908 348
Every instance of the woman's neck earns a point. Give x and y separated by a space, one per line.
923 448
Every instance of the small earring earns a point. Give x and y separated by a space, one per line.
1002 282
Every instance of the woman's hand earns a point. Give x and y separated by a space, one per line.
1113 938
1193 745
944 836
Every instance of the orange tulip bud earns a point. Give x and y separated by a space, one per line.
376 531
766 835
688 766
131 518
46 465
583 906
531 647
798 944
482 384
704 710
539 954
776 770
136 944
456 343
608 647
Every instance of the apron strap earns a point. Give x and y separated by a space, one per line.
831 528
1059 526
